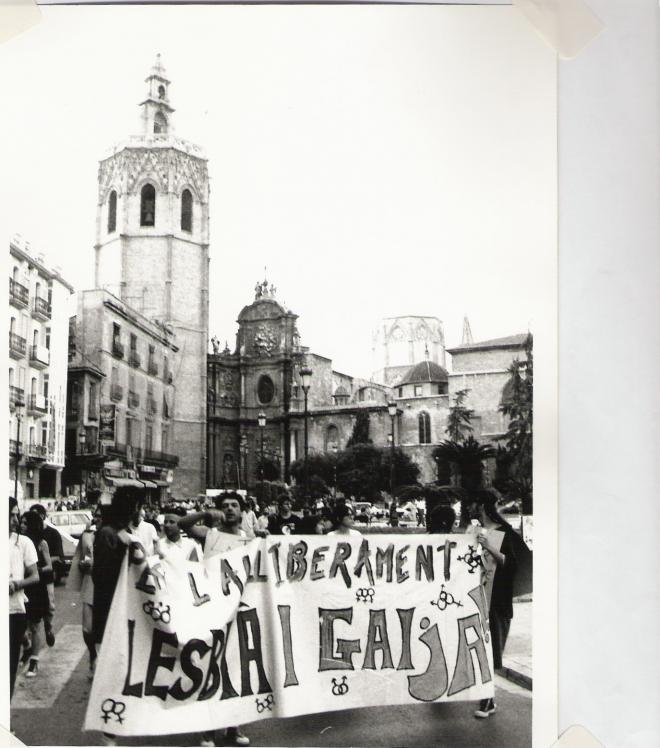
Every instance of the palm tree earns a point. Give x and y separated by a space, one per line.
467 459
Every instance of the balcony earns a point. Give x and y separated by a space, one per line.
16 397
116 393
116 449
36 452
133 400
117 349
17 345
12 448
152 407
134 360
37 405
39 356
19 295
152 368
160 458
41 309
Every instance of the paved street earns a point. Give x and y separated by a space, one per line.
49 710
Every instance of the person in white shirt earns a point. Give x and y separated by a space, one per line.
22 573
173 544
221 533
343 522
144 532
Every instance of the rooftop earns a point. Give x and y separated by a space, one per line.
510 341
425 371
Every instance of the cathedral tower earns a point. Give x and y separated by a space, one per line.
152 251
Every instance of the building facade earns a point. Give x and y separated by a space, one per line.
152 253
39 305
121 398
262 374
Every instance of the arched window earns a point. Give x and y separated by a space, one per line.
331 437
161 92
148 206
424 420
186 210
112 212
160 123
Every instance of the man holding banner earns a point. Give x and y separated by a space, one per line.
224 534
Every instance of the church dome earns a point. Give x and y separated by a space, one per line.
425 371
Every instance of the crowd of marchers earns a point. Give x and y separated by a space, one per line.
128 525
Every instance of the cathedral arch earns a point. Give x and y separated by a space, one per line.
424 423
148 205
112 212
186 210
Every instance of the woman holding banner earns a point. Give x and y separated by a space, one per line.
507 558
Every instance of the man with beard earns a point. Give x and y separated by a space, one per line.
221 532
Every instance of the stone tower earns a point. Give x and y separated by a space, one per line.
152 251
401 342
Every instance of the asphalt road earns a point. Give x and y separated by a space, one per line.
49 710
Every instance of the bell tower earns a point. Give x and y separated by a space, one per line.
152 251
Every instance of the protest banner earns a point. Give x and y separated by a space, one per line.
292 625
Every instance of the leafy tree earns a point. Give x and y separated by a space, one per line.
360 434
517 404
406 472
317 464
459 418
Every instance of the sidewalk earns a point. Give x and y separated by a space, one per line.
517 660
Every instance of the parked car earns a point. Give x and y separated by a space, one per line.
70 526
362 511
72 522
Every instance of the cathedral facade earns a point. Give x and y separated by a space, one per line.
262 375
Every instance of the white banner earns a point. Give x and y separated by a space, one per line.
293 625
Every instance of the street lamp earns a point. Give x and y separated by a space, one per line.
82 439
244 456
17 452
305 382
391 409
261 420
334 449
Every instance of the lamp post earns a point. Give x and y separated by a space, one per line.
305 382
82 440
391 409
261 420
17 452
244 456
334 449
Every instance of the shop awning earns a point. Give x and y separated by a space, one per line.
161 483
122 482
148 483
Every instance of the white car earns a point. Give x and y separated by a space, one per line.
71 522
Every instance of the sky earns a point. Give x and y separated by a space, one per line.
379 161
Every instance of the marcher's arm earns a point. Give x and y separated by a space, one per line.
500 558
189 522
31 577
48 565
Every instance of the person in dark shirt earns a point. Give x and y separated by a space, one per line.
55 549
110 545
484 508
285 522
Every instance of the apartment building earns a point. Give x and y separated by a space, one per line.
121 395
39 309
